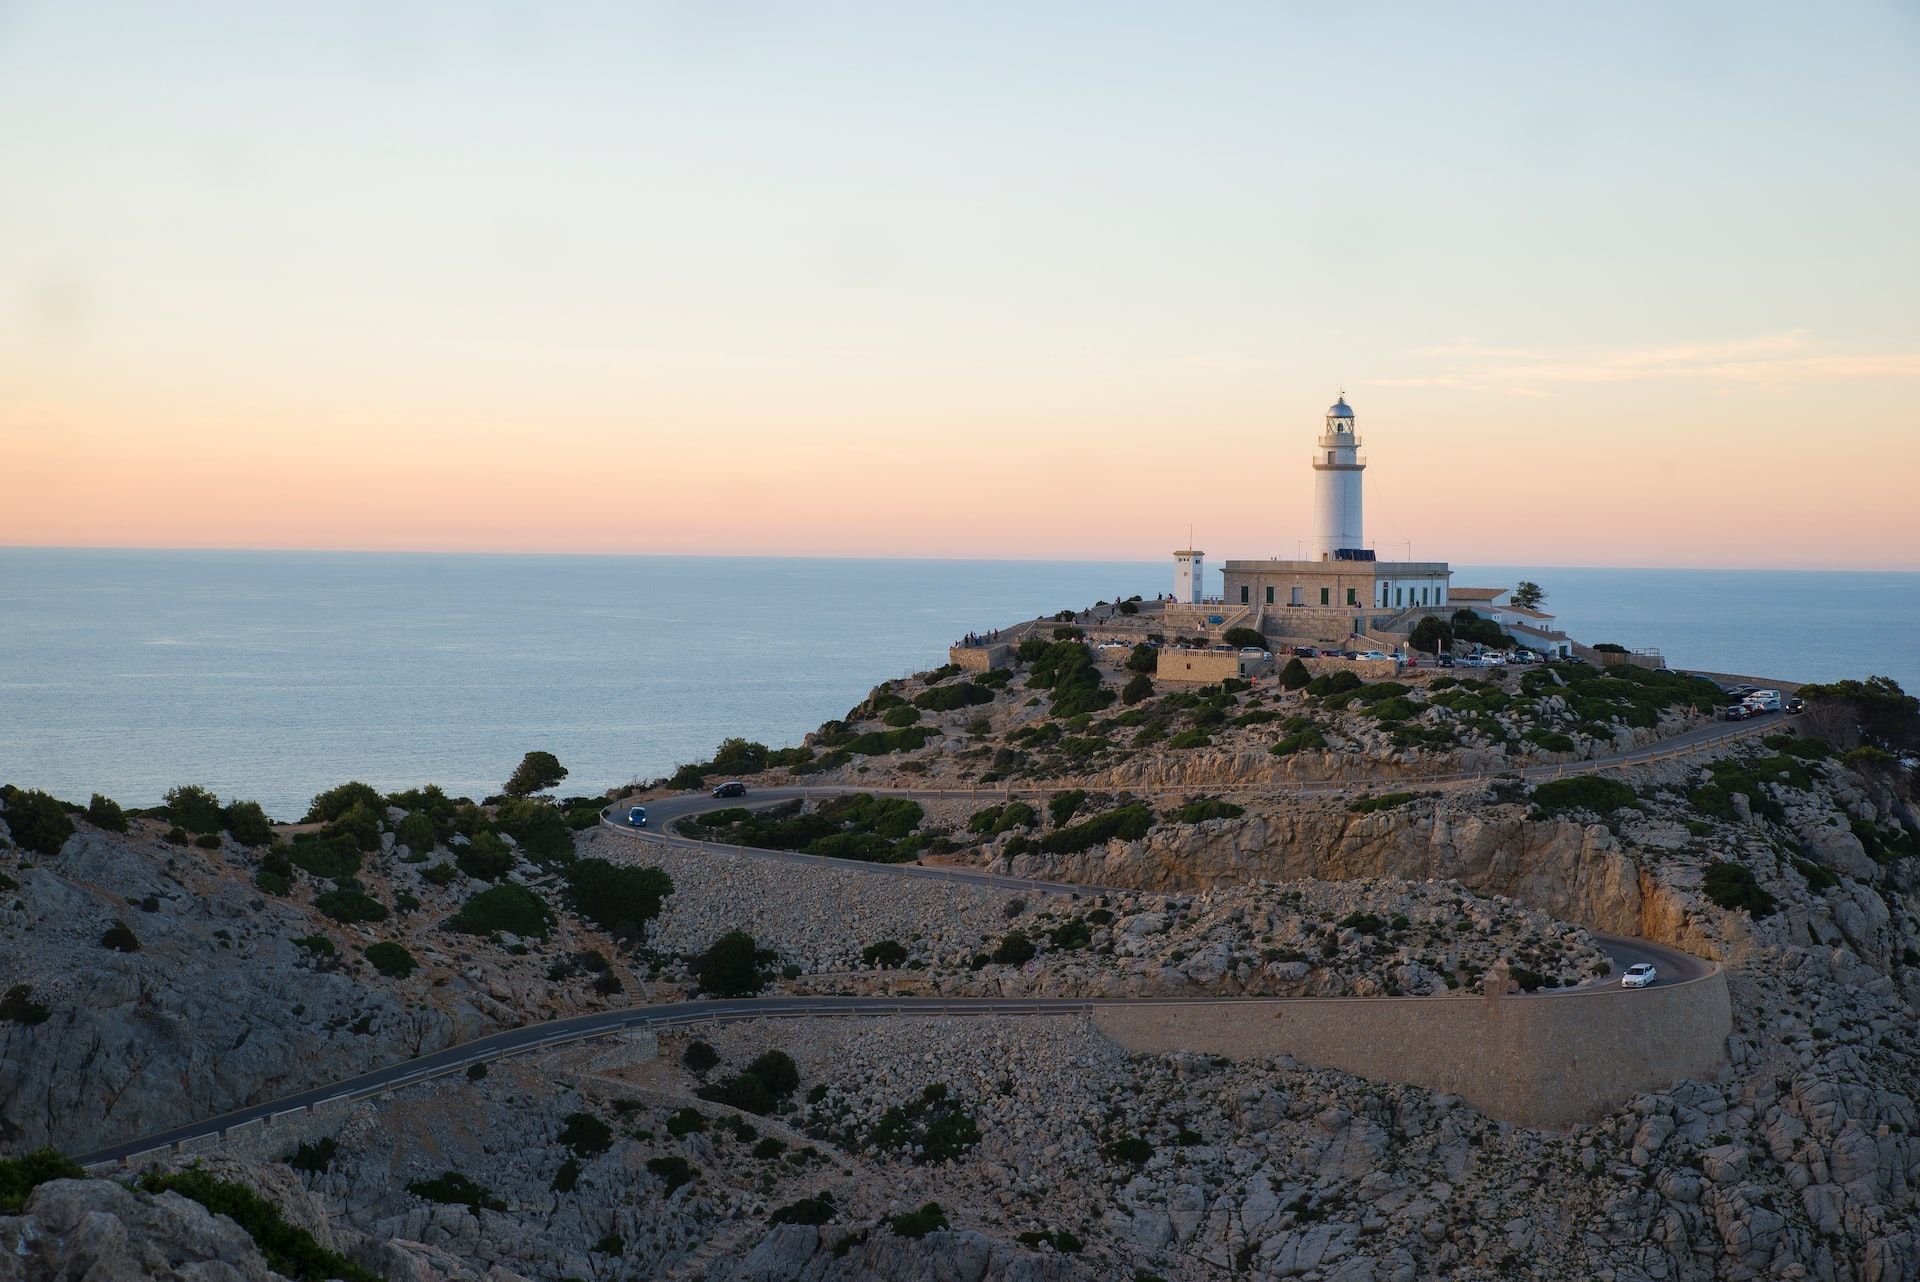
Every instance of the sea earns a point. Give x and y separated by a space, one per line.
274 675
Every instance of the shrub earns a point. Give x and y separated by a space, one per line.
888 954
949 698
248 824
567 1178
391 959
454 1189
18 1007
1129 822
289 1251
1583 792
1130 1150
1299 741
1070 935
120 938
807 1210
38 821
586 1134
439 874
1294 676
731 966
350 905
318 945
699 1056
1062 805
1015 949
334 802
1334 684
539 827
904 715
1244 638
208 841
485 857
104 812
759 1087
194 808
176 836
674 1171
330 857
1384 801
1139 688
1144 659
536 772
316 1158
994 820
917 1224
1732 886
1200 811
616 898
418 833
1059 1239
1430 635
509 907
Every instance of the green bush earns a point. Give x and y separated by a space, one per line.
208 841
758 1088
904 715
932 1126
1059 1239
454 1189
539 827
807 1210
331 857
439 874
318 945
674 1171
20 1176
887 954
731 966
18 1007
316 1158
618 899
104 812
1244 639
879 743
586 1135
1200 811
1070 935
120 938
1138 689
1294 675
418 833
350 906
1600 795
38 822
334 802
508 907
917 1224
567 1178
1129 1150
699 1056
486 857
1015 949
1334 684
391 959
994 820
248 824
1063 805
1732 886
194 808
1144 659
949 698
289 1251
1300 740
1384 801
1128 823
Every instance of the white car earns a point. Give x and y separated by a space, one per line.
1639 975
1372 654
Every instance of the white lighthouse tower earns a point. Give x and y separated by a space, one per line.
1336 485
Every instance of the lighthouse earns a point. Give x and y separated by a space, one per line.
1336 486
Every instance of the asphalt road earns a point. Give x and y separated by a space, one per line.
1674 966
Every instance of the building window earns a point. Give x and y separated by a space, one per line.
1243 594
1323 596
1269 594
1350 596
1329 458
1399 596
1423 596
1299 597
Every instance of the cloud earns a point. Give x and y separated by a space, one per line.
1767 362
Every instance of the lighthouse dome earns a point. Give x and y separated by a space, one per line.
1340 409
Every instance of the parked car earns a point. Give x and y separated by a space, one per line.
1795 705
1371 654
1306 652
1639 975
1763 701
1737 712
1443 660
637 816
731 788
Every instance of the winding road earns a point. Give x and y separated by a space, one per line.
663 813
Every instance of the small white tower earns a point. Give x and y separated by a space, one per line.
1336 485
1187 572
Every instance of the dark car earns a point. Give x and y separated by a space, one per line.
1443 660
1306 652
1795 705
1738 712
732 788
637 816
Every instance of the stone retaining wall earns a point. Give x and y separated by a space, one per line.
980 658
1536 1061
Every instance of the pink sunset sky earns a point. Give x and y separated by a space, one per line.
1604 286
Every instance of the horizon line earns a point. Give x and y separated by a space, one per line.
862 556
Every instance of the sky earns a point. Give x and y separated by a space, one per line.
1621 284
